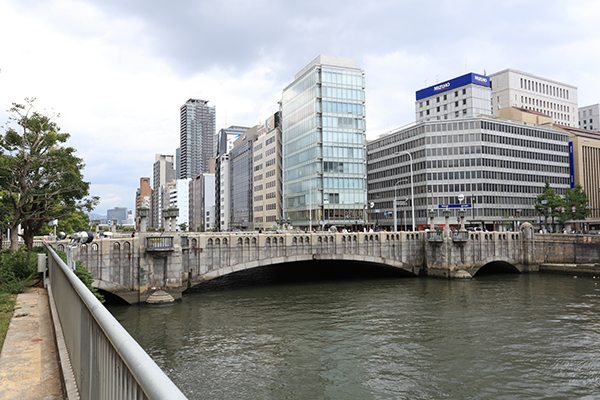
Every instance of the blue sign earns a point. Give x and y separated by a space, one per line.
572 165
454 206
453 84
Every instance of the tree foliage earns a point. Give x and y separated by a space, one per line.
74 222
42 177
548 202
577 198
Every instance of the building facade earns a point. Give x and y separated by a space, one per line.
268 186
222 196
241 171
511 88
499 167
197 137
589 117
462 97
324 141
163 173
119 213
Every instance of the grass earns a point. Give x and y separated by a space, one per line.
7 305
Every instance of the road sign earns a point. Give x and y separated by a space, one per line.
454 206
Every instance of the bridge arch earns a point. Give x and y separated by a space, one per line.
497 267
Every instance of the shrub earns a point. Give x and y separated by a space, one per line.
17 270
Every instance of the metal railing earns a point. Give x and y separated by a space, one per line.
460 236
435 236
107 362
159 243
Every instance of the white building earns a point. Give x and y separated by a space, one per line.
222 218
511 88
463 97
179 197
589 117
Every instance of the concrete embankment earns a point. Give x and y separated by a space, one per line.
571 269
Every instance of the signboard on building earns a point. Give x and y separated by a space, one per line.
454 206
453 84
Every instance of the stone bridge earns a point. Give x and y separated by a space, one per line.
135 268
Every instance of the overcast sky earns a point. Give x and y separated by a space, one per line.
117 71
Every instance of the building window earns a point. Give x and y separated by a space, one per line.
445 97
456 94
438 99
464 102
464 91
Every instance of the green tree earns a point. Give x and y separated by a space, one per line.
183 227
43 178
74 222
549 203
577 198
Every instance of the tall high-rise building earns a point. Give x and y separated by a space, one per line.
511 88
324 143
197 134
164 172
241 171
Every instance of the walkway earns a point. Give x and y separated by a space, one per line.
28 363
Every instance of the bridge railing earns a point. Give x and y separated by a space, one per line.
435 236
107 363
159 243
460 236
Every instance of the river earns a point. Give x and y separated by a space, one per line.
378 337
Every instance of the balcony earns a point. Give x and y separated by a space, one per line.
159 243
435 236
460 236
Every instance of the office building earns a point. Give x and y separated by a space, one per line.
197 137
163 173
222 193
462 97
500 166
586 166
226 139
118 213
143 193
324 151
241 182
179 197
511 88
268 187
202 202
589 117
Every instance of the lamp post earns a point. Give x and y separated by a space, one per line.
412 191
396 201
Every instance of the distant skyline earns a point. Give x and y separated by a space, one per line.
118 72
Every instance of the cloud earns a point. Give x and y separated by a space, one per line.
118 71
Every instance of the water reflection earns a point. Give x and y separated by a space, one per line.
494 337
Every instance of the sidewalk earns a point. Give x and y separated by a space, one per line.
28 363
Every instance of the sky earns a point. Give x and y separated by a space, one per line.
117 71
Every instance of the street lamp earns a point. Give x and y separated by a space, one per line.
395 201
412 189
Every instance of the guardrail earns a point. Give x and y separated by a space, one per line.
107 362
159 243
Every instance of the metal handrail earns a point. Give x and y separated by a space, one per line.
460 236
159 242
107 362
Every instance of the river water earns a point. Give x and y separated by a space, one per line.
387 337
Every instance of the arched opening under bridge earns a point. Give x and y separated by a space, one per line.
496 268
303 272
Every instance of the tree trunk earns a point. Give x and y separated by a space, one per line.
14 238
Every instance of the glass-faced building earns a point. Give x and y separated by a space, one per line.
324 145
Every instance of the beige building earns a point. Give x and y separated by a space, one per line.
268 188
586 162
511 88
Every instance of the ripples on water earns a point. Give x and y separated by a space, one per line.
495 337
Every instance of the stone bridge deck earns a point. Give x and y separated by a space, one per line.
133 268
